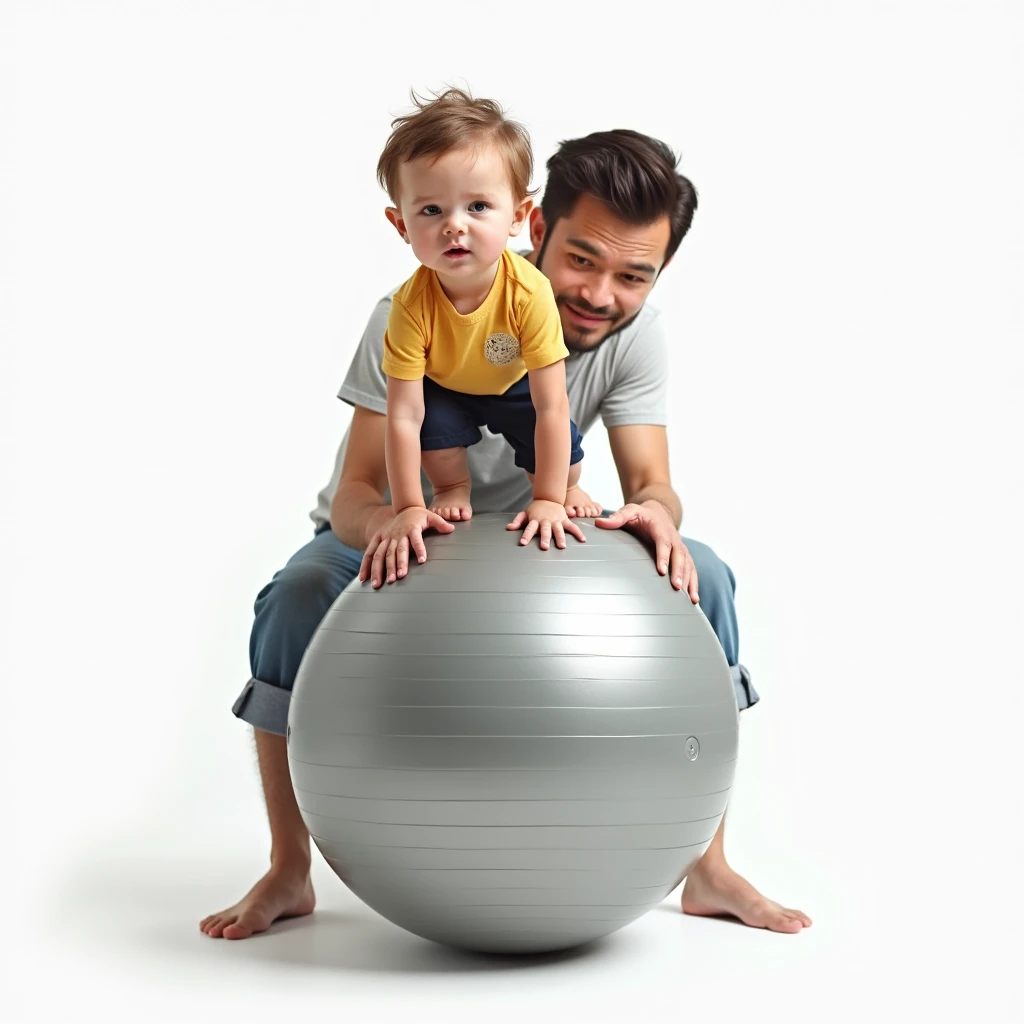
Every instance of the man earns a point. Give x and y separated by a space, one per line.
613 214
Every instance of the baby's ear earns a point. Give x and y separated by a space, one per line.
394 215
519 215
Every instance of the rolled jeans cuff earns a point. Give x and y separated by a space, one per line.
264 706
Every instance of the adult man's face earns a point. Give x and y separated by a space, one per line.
601 269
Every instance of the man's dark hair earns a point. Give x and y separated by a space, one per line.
633 174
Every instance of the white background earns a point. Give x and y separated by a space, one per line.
192 239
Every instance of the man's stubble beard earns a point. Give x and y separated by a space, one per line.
579 345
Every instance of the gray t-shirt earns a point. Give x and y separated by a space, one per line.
624 380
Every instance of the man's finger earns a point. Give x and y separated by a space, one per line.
627 514
681 566
662 552
613 521
693 590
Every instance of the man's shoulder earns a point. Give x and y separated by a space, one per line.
645 329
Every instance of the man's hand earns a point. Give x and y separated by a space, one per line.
388 548
550 519
651 521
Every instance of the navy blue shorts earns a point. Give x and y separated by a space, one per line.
452 420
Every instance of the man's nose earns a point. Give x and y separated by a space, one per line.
597 291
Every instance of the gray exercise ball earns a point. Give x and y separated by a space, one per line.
514 750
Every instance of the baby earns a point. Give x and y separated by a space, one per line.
474 337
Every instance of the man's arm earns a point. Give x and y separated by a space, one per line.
640 452
652 508
357 508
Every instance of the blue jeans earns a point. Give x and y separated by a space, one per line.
291 606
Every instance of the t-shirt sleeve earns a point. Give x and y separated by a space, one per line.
540 330
405 344
365 384
638 391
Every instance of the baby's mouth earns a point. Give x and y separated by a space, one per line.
456 250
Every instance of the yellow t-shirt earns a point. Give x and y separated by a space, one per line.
517 328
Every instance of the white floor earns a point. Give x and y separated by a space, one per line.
116 929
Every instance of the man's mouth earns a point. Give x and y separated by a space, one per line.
585 319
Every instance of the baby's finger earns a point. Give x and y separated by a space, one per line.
545 534
574 529
420 549
378 563
402 557
390 560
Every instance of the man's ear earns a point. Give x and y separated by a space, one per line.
519 217
394 215
537 229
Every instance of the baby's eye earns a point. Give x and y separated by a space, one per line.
432 210
478 207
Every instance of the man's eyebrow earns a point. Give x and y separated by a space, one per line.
579 243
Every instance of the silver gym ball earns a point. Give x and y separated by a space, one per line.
514 750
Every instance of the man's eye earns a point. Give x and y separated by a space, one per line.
580 261
432 210
479 206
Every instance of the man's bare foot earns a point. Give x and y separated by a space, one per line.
579 504
279 893
723 893
452 504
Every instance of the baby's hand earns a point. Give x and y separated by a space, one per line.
389 547
580 505
550 519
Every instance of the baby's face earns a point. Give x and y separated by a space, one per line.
457 210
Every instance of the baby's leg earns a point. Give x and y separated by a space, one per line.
579 504
447 470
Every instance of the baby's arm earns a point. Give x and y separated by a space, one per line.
402 443
386 558
551 437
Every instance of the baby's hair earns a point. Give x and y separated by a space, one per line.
450 121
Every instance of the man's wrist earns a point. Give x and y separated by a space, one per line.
658 503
